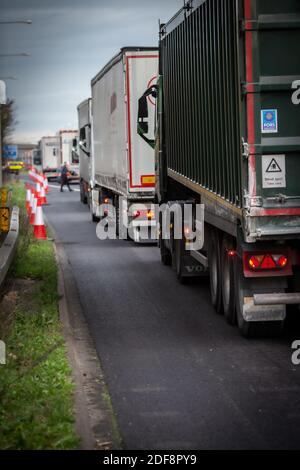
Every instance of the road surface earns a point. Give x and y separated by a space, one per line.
178 375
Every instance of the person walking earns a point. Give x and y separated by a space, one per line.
64 177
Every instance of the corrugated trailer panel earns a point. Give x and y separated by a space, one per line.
202 97
230 124
272 39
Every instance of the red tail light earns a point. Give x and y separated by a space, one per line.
136 214
283 261
268 263
255 262
231 253
144 214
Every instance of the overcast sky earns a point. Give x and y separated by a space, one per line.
69 42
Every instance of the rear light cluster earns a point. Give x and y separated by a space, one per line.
267 262
145 214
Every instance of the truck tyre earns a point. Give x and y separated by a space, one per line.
251 329
117 212
214 257
93 216
83 197
81 192
228 291
178 253
165 255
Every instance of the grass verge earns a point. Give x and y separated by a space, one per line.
36 389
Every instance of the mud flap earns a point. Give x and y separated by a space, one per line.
191 268
262 313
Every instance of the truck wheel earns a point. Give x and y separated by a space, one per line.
93 216
215 272
83 197
117 209
178 252
165 255
228 292
251 329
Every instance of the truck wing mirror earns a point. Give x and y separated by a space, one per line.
84 142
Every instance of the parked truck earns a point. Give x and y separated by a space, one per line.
69 152
228 137
84 125
37 158
49 150
122 163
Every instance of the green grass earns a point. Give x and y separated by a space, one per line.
36 389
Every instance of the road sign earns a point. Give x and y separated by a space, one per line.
10 152
4 219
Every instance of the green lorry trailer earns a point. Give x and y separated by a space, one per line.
228 136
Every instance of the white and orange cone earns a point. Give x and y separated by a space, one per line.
38 190
46 184
32 174
33 210
39 230
42 198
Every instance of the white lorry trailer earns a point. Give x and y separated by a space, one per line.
69 151
84 129
122 164
50 156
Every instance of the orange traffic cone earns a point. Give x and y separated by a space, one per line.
33 210
46 184
28 196
39 230
38 190
42 197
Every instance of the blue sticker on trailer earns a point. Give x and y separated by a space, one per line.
269 121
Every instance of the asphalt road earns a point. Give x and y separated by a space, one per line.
178 375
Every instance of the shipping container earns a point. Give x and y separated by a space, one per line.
50 156
228 136
122 162
69 152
